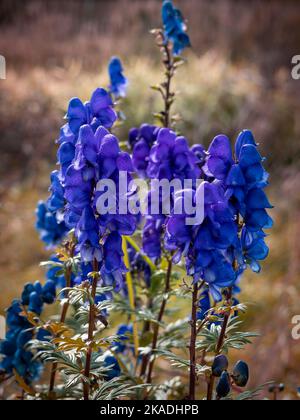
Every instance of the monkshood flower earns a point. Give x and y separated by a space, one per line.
56 200
243 178
174 27
87 233
124 332
35 295
141 141
51 230
114 370
118 82
171 158
97 112
139 266
152 234
207 247
13 348
254 248
113 268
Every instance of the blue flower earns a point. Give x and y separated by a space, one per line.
35 295
51 230
152 234
254 248
171 158
207 247
139 266
113 366
87 233
118 82
219 160
113 267
13 349
243 180
174 27
124 332
56 200
97 112
141 141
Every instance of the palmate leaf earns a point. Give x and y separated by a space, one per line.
68 344
233 339
182 363
172 389
175 360
65 360
250 394
142 314
117 388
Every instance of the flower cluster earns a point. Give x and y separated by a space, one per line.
51 229
231 234
244 179
89 153
170 158
141 141
174 27
118 82
13 349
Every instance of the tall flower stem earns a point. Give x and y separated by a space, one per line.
159 319
168 98
193 343
165 87
169 75
220 343
63 315
91 329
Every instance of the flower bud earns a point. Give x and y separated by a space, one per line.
241 373
220 364
224 386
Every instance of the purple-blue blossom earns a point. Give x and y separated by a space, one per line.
174 27
118 82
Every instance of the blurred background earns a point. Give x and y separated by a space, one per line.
238 76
